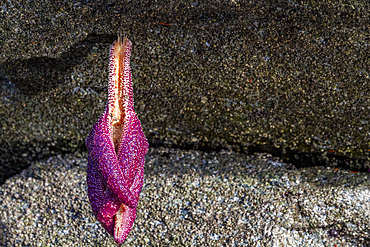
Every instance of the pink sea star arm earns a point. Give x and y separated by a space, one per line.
117 148
104 158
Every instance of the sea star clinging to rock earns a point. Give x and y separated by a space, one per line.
117 147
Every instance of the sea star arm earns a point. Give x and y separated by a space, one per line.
117 147
104 160
104 203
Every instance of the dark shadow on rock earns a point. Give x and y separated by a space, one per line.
296 158
38 74
16 157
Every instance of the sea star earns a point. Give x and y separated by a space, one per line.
117 147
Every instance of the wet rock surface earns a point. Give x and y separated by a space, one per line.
193 198
281 77
286 78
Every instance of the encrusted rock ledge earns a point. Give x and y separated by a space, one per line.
195 199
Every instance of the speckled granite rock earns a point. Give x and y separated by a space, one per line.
287 77
194 199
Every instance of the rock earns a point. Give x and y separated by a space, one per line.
193 197
286 78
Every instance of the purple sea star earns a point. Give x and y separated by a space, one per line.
117 147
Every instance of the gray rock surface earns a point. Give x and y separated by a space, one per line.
287 77
192 198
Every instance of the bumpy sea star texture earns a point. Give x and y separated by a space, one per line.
117 147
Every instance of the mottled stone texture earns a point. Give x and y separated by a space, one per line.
193 198
288 77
